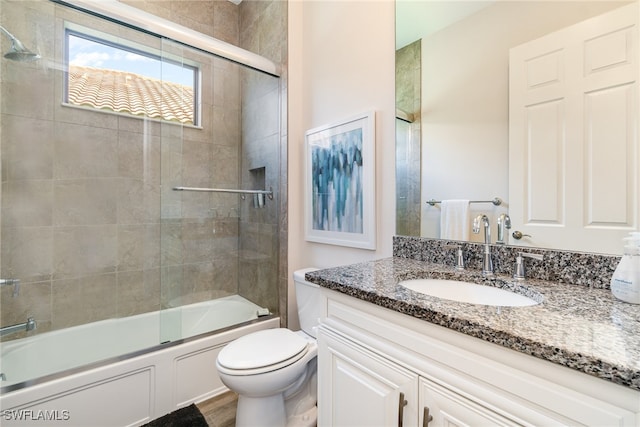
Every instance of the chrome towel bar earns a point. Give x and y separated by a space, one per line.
496 201
268 193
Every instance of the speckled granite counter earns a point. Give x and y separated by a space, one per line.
580 327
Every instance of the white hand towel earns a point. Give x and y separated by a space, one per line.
454 220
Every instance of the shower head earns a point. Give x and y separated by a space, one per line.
18 52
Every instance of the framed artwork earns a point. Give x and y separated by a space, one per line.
340 183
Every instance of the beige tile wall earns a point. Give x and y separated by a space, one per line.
263 29
86 224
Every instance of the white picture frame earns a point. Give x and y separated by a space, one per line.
340 183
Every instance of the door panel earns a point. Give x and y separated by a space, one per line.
573 135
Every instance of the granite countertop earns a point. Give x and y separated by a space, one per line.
579 327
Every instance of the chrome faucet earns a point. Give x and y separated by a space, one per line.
519 272
487 263
459 256
504 221
29 325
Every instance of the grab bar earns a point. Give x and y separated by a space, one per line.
268 193
29 325
496 201
14 282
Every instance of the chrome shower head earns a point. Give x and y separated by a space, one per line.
18 52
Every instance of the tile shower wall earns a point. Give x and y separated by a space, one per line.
263 237
83 233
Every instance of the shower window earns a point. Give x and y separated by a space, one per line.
109 74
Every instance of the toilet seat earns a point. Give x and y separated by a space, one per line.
262 351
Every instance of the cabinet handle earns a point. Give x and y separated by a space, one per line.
401 404
427 417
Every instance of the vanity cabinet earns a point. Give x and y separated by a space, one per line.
363 388
377 367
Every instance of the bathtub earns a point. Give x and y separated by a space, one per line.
114 372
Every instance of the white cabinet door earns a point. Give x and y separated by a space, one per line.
443 408
573 135
359 388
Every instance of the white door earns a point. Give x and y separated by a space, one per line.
357 387
573 135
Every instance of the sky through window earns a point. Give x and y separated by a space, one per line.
89 53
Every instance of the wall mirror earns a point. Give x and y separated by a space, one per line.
453 112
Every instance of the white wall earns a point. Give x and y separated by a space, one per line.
341 63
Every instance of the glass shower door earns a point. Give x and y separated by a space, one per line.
219 209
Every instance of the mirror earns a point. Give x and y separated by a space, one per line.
452 99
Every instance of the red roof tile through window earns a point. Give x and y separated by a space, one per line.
130 93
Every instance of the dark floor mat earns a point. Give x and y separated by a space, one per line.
188 416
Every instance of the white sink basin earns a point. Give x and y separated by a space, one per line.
467 292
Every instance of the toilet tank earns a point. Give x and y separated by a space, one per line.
308 299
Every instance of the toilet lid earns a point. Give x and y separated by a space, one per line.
262 348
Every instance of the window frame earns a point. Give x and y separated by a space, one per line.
71 29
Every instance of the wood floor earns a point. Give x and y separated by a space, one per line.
220 411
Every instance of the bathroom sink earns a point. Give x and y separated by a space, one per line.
473 293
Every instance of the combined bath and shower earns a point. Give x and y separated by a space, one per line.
18 51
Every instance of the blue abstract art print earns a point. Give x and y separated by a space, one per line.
340 183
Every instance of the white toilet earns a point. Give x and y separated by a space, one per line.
274 371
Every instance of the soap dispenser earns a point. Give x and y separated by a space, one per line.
625 282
